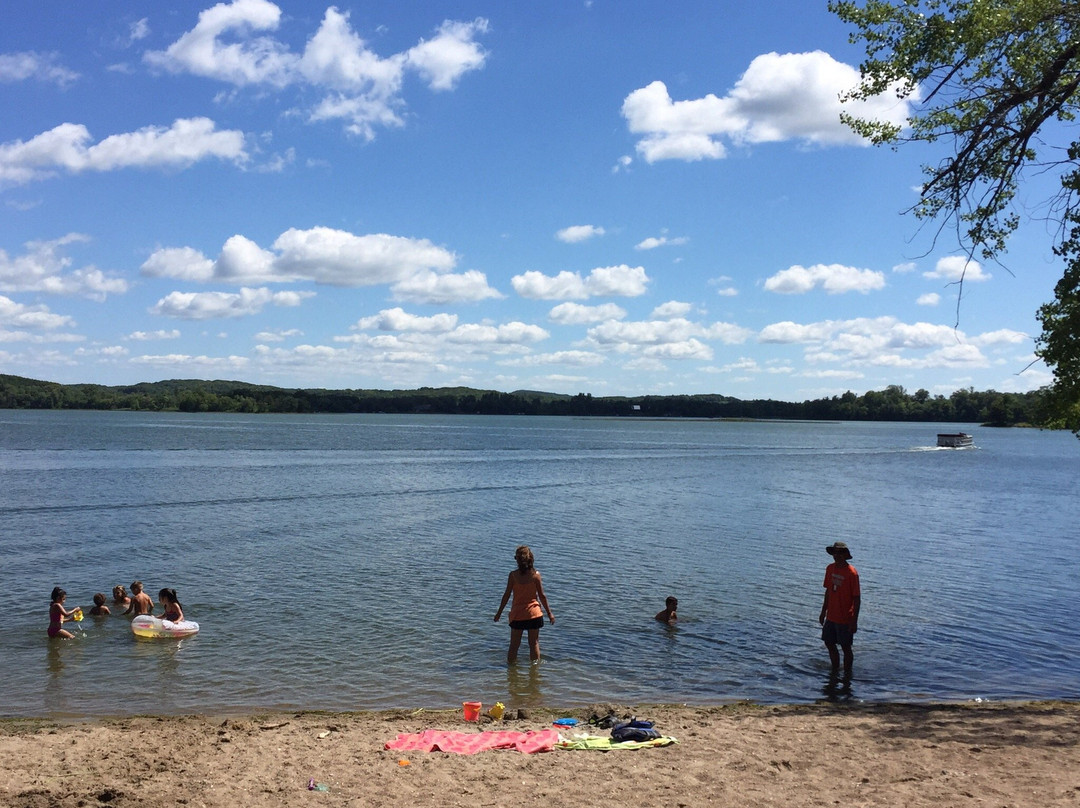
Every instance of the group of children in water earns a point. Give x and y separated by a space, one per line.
135 604
523 586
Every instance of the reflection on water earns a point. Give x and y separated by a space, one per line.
57 694
837 689
524 685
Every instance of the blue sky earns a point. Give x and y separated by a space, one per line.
608 197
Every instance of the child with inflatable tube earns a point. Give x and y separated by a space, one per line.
170 625
173 611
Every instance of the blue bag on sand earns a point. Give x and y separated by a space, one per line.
628 732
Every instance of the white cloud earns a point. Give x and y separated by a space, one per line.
44 269
676 338
398 319
140 29
954 268
929 299
673 308
954 356
509 333
578 232
214 305
833 278
903 269
645 364
723 286
241 261
1027 380
743 365
185 363
182 263
39 338
106 351
67 148
788 332
1003 336
845 375
450 54
617 281
33 65
572 358
251 60
278 336
305 356
577 314
685 349
290 298
415 269
19 315
880 342
426 286
232 43
141 336
792 96
339 258
653 242
538 286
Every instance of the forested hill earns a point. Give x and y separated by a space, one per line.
192 395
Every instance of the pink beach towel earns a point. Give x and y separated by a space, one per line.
469 743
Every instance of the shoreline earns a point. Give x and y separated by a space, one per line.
540 711
913 754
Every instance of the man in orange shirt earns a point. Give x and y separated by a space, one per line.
840 611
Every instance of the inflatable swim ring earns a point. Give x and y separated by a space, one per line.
146 625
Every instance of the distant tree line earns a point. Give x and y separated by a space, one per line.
893 403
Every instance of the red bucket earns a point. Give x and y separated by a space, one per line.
472 710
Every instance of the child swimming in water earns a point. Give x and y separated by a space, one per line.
120 596
173 611
525 613
99 607
57 615
140 601
670 613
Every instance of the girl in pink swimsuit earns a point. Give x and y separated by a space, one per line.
57 615
525 614
168 601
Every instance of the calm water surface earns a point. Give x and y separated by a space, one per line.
352 562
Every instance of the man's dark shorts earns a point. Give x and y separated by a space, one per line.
836 634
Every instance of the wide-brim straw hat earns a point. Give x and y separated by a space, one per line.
838 550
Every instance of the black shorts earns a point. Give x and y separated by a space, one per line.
527 625
836 634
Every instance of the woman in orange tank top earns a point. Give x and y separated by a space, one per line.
526 613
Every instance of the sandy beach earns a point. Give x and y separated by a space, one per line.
1017 754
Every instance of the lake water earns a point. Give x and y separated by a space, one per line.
354 562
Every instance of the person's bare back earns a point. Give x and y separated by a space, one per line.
141 603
